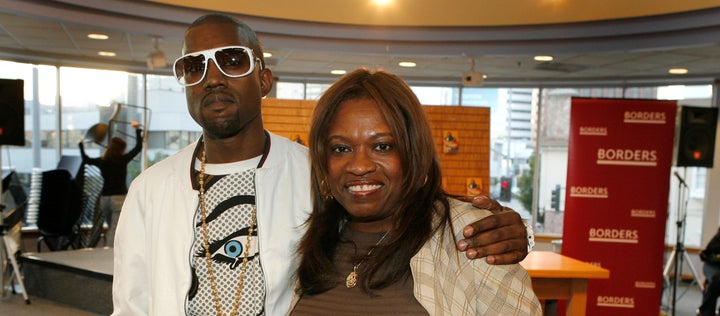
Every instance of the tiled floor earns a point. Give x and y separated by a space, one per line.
14 304
688 299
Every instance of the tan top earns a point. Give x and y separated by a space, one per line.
396 299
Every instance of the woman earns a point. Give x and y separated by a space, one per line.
381 236
113 167
710 257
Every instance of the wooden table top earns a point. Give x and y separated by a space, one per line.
548 264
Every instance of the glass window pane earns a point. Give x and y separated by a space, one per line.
112 98
290 90
553 135
170 126
553 139
22 159
314 90
487 97
512 142
93 96
695 177
437 95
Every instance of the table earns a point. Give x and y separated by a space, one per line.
559 277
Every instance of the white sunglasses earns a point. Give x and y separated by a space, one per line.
233 62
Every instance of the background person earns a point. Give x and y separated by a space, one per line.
381 236
113 167
195 225
710 257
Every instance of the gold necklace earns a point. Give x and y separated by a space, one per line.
206 240
351 279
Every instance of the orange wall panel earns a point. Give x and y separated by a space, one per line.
291 118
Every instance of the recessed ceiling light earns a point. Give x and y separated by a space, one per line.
107 54
409 64
338 72
382 2
678 71
543 58
98 36
267 54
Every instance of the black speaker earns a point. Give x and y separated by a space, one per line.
696 139
12 112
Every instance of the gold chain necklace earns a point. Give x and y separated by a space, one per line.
206 240
351 279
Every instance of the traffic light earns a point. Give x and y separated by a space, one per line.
505 186
555 198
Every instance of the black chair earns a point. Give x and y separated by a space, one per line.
59 210
92 218
13 204
14 199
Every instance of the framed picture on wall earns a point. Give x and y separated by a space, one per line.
474 186
451 142
299 138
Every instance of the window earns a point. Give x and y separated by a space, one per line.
529 129
437 95
553 140
290 90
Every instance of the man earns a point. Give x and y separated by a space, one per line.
213 228
710 257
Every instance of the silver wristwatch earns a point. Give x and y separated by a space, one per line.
530 236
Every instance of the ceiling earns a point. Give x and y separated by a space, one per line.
604 43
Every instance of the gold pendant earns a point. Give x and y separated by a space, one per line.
351 280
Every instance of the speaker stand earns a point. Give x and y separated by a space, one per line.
679 253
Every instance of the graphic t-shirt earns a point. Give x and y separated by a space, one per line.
229 204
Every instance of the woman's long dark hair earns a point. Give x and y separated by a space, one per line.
423 196
115 150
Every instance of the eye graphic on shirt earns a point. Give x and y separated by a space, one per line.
231 250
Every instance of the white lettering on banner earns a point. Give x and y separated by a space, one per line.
593 130
645 284
596 263
642 213
589 192
640 117
616 301
626 236
627 157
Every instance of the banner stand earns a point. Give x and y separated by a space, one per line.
620 155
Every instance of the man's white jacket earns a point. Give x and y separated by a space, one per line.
155 232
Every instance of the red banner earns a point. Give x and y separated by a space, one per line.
616 199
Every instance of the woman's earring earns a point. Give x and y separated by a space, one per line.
327 195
